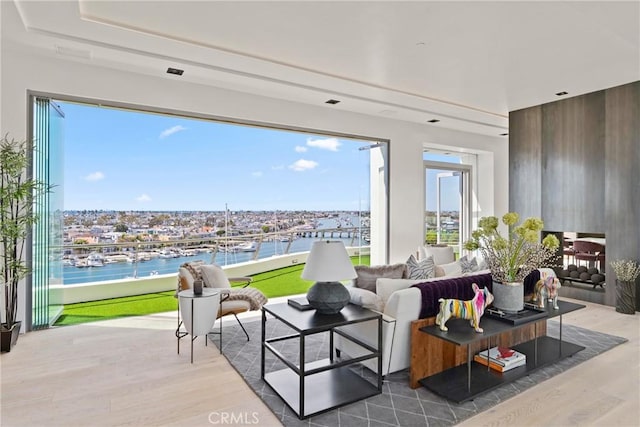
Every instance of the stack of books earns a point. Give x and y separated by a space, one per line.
501 359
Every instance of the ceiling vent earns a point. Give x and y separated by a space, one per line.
433 121
176 71
563 93
332 101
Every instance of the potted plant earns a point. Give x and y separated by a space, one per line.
17 192
627 271
513 257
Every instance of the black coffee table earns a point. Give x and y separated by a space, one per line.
465 382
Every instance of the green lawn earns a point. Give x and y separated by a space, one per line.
276 283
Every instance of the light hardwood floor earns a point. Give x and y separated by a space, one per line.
127 372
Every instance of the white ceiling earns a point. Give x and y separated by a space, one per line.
465 63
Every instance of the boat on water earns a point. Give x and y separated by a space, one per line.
111 259
140 257
95 259
168 253
247 247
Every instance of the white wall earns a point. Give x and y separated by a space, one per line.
21 72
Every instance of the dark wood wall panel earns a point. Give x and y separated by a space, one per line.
589 168
573 164
622 191
525 145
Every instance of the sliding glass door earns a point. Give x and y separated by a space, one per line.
46 242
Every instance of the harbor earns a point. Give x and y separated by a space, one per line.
106 262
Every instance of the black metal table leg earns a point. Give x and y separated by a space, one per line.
264 335
302 374
469 367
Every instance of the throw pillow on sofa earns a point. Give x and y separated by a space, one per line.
423 269
365 298
367 275
452 269
469 265
442 254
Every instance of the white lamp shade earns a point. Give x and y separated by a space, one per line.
328 262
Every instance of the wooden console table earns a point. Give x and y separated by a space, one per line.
442 362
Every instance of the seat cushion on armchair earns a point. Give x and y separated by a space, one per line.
368 275
234 306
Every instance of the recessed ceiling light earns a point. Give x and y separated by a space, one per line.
176 71
563 93
332 101
433 121
447 154
504 134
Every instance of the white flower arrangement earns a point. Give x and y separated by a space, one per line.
626 270
512 258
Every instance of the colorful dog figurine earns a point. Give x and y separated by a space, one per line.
472 309
546 289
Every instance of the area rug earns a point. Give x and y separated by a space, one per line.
398 405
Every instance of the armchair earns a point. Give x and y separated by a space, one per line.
233 300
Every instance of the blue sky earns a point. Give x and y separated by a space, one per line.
124 160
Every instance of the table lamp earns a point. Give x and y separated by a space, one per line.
327 264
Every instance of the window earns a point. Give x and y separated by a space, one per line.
447 198
151 177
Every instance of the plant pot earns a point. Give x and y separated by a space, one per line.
508 297
625 297
9 337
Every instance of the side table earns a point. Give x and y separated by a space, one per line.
198 313
310 388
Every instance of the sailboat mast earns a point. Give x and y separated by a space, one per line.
226 232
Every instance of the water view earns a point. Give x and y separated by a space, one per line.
100 267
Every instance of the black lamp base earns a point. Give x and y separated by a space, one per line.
328 297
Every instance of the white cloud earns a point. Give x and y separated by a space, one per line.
300 149
256 173
303 165
94 176
165 133
143 198
330 144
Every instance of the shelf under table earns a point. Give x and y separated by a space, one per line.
339 387
452 383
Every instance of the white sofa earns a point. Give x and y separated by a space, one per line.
401 306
